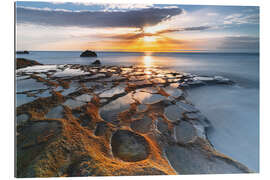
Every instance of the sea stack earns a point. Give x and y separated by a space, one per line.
97 62
88 53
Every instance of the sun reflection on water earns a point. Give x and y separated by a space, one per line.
148 64
148 61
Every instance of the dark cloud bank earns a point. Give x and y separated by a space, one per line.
131 36
133 18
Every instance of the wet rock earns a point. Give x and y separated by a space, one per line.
212 80
112 92
148 90
194 160
137 73
199 121
23 99
39 69
142 125
73 103
88 53
39 132
222 80
22 63
133 112
185 132
196 83
141 107
115 77
174 85
29 85
85 121
44 93
69 72
148 98
204 78
93 85
158 81
56 112
186 107
68 91
129 146
174 92
19 77
173 81
22 119
97 62
195 116
110 111
200 129
103 100
173 113
96 76
84 98
162 126
101 128
142 83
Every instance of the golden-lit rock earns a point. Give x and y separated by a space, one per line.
129 146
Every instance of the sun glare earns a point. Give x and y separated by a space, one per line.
153 29
149 38
148 61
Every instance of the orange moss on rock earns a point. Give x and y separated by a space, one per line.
40 79
66 153
81 143
64 83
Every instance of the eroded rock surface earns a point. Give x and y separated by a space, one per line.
79 120
194 159
129 146
22 62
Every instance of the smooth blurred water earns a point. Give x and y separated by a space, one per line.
234 116
232 110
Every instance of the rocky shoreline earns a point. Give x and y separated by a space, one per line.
79 120
22 63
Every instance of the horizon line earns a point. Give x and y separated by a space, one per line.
177 51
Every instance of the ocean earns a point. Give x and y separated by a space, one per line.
232 110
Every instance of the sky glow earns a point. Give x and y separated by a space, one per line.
136 27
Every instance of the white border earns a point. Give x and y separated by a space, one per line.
7 86
194 2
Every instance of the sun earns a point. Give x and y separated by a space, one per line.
149 38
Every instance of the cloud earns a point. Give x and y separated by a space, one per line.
198 28
141 33
133 18
113 7
240 42
238 18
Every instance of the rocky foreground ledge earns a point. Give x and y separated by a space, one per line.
22 63
75 120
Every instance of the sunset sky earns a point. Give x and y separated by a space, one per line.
136 27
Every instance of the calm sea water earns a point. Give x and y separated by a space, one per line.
233 111
243 68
